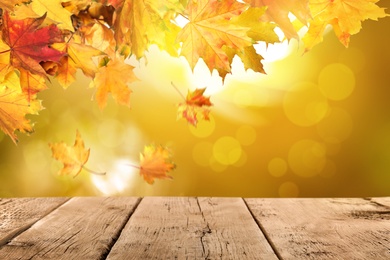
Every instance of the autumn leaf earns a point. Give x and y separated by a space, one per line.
141 23
259 31
345 16
31 84
54 11
9 5
14 106
113 77
73 157
79 56
209 29
278 11
29 44
196 104
155 163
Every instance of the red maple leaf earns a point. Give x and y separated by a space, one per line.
29 43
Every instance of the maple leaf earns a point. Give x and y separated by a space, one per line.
195 104
345 16
54 10
14 106
209 29
79 56
73 157
31 84
140 23
259 31
9 5
278 11
113 77
28 44
155 163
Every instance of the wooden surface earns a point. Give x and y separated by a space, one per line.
194 228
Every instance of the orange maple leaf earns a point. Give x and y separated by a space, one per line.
31 83
14 105
29 44
155 163
195 104
73 157
79 56
210 29
113 77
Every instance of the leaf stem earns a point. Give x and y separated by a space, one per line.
93 172
178 91
134 166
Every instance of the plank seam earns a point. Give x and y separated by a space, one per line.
262 229
117 235
21 229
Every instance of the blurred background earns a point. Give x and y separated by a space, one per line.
317 125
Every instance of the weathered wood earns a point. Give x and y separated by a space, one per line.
82 228
324 228
17 215
190 228
384 201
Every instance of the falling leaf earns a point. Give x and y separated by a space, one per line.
14 106
155 163
278 11
345 16
73 157
196 104
209 29
29 44
113 77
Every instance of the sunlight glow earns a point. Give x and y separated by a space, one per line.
118 179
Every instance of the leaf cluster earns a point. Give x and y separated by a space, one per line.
54 39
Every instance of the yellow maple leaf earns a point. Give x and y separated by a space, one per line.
79 56
140 23
73 157
54 11
113 77
31 83
278 11
345 16
155 163
14 106
209 29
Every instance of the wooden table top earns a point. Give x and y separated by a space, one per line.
194 228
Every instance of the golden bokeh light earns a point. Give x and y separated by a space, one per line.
336 126
227 150
277 167
246 135
202 152
336 81
203 128
304 105
307 158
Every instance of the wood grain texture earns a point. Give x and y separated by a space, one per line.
325 228
17 215
191 228
82 228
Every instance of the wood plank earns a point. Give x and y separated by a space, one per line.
191 228
82 228
324 228
384 201
18 214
